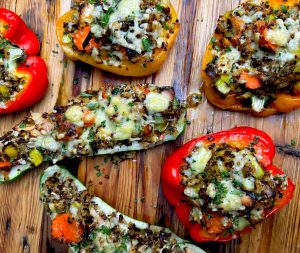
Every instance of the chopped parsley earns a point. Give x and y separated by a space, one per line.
221 192
103 123
22 125
159 7
147 44
104 19
91 135
293 143
284 8
115 91
213 40
104 230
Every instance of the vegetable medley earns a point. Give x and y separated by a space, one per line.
116 30
220 180
255 54
114 119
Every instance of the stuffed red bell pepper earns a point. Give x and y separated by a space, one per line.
23 75
223 184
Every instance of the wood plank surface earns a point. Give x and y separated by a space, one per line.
133 187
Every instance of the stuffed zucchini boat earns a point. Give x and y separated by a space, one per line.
129 38
113 119
88 224
252 61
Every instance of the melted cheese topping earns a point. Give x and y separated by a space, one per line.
115 119
221 181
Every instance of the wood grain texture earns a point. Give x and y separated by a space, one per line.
133 187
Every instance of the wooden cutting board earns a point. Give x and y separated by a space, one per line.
133 187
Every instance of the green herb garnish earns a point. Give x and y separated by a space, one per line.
293 143
213 40
104 230
221 192
115 91
284 8
85 95
147 44
159 7
22 125
103 123
91 135
104 19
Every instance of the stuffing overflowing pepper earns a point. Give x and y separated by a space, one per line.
129 38
223 184
23 75
252 61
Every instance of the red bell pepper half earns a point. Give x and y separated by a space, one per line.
13 28
33 71
240 137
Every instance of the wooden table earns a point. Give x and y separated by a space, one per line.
133 187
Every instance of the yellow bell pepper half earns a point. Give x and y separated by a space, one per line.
282 104
127 68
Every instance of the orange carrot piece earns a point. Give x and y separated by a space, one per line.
65 228
91 45
238 24
81 36
252 82
4 164
89 117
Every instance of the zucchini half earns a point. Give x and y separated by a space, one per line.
111 120
104 216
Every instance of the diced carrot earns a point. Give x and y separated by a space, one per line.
81 36
91 45
252 82
4 164
89 117
65 228
123 50
238 24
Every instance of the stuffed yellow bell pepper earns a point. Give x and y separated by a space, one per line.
252 62
129 38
